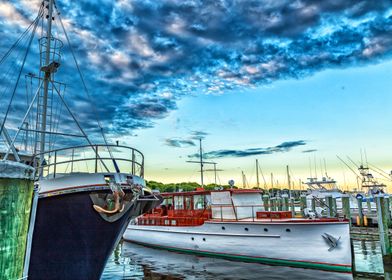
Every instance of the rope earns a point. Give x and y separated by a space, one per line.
20 73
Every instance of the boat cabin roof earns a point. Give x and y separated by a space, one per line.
202 191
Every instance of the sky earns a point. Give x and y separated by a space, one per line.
285 82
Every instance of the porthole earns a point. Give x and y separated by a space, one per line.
223 228
265 229
193 238
204 239
246 229
288 230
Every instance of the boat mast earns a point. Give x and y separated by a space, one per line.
215 172
257 173
46 81
288 180
201 165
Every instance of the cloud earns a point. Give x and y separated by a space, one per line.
179 143
283 147
140 57
310 151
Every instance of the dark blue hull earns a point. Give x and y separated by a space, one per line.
71 240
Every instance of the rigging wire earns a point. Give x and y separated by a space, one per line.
6 55
85 87
20 72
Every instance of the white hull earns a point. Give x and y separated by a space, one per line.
292 244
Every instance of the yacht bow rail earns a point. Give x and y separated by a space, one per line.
91 159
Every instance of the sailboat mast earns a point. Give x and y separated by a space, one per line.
257 173
215 172
46 79
201 165
288 180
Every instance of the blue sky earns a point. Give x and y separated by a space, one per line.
255 79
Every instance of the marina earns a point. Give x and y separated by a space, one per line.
195 140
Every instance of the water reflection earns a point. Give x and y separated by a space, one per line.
368 256
139 262
131 261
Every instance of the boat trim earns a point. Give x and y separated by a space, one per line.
74 189
275 222
208 233
346 268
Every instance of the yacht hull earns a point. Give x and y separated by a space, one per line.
71 240
289 244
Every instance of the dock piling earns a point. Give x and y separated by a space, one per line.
360 211
387 211
369 206
303 204
266 202
292 206
329 203
314 204
346 207
383 229
285 202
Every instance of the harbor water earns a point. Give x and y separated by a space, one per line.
131 261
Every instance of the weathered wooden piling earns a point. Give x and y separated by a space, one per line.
382 218
387 211
369 205
334 207
360 211
292 206
273 203
314 204
303 204
346 207
279 203
285 202
329 203
266 202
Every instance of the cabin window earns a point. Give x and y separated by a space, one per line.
188 202
168 201
204 239
193 238
198 202
178 203
223 228
246 229
265 229
288 230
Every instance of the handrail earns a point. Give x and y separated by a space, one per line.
85 146
136 158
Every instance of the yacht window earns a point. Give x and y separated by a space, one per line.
178 202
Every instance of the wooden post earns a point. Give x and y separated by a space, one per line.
292 206
272 203
387 211
314 204
334 207
360 212
369 206
329 203
285 202
346 207
303 204
279 203
266 202
382 218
